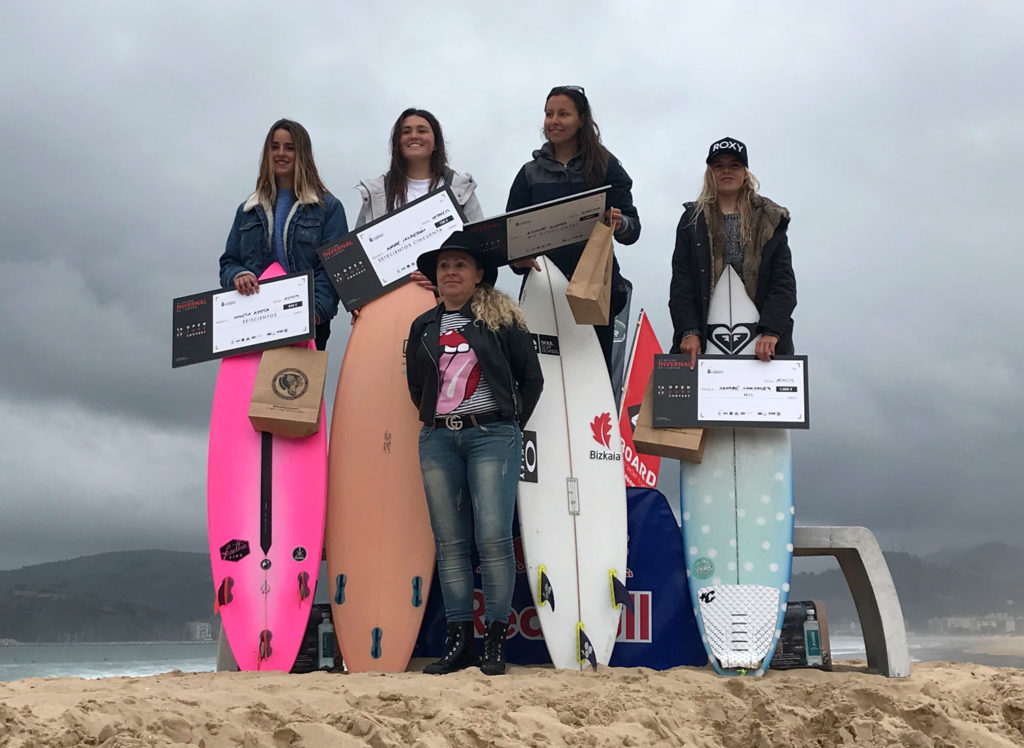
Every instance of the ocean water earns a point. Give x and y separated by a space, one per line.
140 659
928 648
105 660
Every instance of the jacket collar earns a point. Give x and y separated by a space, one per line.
254 199
545 156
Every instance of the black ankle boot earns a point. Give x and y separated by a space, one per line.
459 650
494 648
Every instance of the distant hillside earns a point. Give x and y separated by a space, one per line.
124 596
150 595
973 581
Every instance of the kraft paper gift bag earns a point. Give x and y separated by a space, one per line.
288 391
590 288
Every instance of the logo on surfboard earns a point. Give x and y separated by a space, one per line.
601 430
731 340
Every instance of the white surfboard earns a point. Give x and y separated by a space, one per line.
737 510
572 495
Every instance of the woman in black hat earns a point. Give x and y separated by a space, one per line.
571 160
475 378
731 224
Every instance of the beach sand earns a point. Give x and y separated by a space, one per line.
941 704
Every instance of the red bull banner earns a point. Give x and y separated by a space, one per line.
641 470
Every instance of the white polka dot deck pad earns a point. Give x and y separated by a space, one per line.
737 511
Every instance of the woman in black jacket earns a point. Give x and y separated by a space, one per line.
474 376
573 160
731 223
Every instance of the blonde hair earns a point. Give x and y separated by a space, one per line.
708 198
307 184
496 309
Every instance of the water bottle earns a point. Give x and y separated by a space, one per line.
325 643
812 639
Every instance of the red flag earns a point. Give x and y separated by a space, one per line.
641 470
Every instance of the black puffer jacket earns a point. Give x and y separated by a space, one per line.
545 178
507 358
693 265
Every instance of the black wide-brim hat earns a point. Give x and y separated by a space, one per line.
459 241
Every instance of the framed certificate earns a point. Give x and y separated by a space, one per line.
220 323
370 261
738 391
537 229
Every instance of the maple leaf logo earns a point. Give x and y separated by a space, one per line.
601 427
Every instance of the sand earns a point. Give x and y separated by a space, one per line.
941 704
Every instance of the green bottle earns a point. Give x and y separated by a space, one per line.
812 639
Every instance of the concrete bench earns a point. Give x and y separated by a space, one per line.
874 594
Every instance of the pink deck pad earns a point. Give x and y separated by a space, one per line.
262 599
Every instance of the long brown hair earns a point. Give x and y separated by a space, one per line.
307 183
588 137
396 181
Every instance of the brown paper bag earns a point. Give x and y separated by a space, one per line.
678 444
590 289
288 391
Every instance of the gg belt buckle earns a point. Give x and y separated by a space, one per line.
453 422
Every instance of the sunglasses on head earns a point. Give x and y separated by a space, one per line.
576 89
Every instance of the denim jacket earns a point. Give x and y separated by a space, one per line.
308 227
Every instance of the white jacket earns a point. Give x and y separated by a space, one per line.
375 202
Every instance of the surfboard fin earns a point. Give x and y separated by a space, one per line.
303 585
545 592
620 595
339 589
584 649
417 591
265 649
224 595
377 634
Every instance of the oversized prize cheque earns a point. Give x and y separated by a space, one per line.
538 229
367 263
223 322
730 392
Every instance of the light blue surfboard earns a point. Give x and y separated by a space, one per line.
737 512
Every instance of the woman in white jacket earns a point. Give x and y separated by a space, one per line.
419 165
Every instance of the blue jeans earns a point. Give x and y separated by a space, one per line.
470 478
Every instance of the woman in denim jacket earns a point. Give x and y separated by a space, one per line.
285 220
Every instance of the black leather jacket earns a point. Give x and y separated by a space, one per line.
507 358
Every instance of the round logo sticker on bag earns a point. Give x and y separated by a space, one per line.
290 384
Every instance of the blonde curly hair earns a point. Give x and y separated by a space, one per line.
496 309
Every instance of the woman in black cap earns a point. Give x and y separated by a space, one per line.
571 160
475 378
731 224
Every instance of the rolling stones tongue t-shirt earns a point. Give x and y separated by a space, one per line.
463 387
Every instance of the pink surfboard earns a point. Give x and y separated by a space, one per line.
266 497
380 548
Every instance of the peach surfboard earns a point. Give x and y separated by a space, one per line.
266 499
380 549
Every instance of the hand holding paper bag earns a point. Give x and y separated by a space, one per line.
590 288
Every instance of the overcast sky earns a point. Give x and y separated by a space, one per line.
132 131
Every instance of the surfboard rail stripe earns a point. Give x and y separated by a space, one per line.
266 491
572 470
